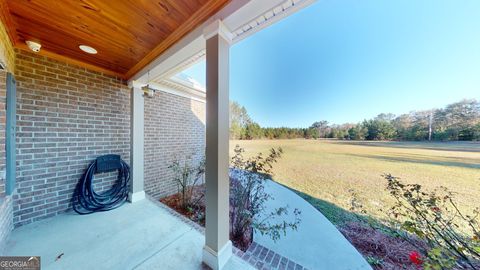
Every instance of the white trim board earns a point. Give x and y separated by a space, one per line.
174 88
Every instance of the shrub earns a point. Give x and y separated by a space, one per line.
451 237
187 176
248 211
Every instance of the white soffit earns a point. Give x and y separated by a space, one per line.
252 19
178 88
242 17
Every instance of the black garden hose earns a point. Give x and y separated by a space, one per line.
87 201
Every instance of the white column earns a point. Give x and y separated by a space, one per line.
218 248
136 192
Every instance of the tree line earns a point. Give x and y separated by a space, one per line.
459 121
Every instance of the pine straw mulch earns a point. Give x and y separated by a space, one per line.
393 252
197 214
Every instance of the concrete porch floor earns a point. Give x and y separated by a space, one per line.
142 235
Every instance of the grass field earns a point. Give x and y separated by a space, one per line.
324 171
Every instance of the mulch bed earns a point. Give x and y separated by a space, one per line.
197 214
393 252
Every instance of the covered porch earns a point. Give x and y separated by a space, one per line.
143 235
135 50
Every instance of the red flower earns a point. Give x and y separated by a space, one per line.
415 258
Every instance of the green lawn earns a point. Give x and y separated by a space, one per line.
323 171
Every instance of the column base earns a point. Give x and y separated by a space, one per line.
217 260
136 196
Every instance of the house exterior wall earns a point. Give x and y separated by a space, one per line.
7 57
66 117
174 129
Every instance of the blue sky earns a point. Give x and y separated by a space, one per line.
345 61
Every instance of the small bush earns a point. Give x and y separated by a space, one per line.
451 237
247 199
187 176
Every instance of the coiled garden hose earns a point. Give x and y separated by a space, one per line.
86 200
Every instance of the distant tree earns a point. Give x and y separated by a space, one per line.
420 125
457 121
358 132
379 129
322 128
239 119
388 117
402 124
311 133
476 132
340 131
463 113
253 131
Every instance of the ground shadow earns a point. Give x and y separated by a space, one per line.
335 214
380 245
436 146
423 161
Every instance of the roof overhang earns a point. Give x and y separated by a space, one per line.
142 41
125 35
242 18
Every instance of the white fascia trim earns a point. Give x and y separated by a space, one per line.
137 196
269 17
174 88
188 84
217 260
218 28
182 66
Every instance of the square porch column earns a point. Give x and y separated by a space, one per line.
218 248
136 192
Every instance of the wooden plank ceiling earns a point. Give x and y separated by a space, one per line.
128 34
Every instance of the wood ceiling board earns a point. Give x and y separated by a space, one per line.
8 22
124 32
199 17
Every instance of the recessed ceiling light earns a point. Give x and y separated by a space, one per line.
87 49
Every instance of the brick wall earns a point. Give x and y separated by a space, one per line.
174 129
7 56
66 117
